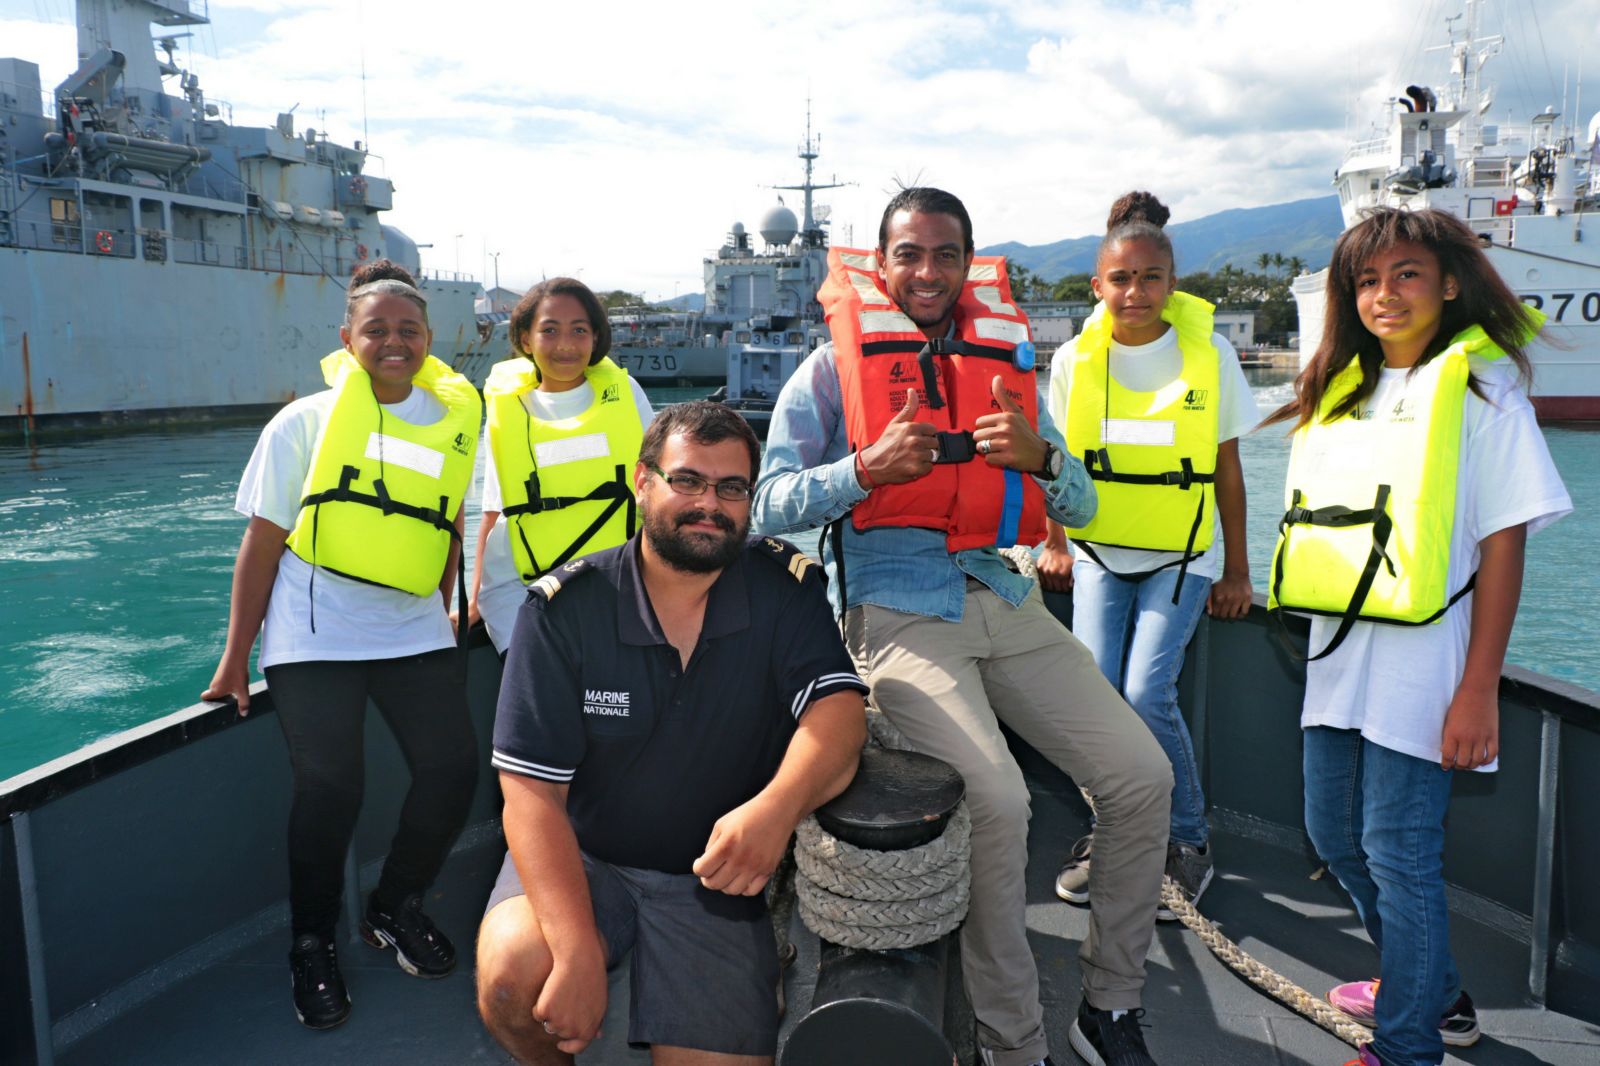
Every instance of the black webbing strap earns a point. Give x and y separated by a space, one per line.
614 493
1098 463
834 531
380 498
1339 516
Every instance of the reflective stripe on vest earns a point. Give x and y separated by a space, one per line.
1371 504
380 499
566 486
1152 455
880 353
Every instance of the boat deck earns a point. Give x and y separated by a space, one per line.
1265 897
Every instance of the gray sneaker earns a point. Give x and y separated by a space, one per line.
1190 869
1072 883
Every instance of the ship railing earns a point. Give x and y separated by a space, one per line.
1370 146
448 275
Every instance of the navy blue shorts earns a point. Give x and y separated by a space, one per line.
705 968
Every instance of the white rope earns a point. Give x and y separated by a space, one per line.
1259 974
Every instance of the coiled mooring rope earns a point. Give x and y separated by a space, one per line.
880 900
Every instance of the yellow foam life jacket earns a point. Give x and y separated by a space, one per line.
1152 455
565 485
1371 503
380 499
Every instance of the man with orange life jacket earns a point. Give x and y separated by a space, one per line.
917 435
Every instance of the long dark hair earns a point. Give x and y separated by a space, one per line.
1482 299
523 314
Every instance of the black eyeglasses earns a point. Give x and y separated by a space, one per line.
733 489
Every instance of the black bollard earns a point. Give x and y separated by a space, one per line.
876 1007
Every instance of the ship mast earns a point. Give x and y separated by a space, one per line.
812 235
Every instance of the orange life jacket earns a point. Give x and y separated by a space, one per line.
880 353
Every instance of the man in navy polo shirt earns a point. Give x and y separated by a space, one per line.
670 710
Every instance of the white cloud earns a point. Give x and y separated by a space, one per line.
619 141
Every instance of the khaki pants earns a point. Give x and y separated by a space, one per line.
947 686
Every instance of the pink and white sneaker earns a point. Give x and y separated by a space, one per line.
1365 1058
1357 1001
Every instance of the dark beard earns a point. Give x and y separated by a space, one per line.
695 553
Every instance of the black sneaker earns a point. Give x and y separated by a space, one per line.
1099 1041
1459 1026
419 947
1190 869
320 999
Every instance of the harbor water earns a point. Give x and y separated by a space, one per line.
116 555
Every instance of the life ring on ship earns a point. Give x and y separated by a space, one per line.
102 241
361 253
1505 207
358 186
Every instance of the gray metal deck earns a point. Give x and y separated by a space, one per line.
238 1010
142 885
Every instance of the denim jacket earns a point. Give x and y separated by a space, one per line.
808 479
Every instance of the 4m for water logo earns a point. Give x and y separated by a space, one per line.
904 374
611 395
1196 399
460 444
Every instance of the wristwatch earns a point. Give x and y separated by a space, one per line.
1054 460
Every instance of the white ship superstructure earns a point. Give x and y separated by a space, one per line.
1526 188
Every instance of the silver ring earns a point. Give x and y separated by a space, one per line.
983 447
933 455
549 1030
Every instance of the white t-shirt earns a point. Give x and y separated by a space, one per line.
354 619
1149 368
501 591
1394 683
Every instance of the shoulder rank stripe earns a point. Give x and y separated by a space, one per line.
552 582
787 556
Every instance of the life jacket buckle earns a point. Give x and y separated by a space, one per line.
956 446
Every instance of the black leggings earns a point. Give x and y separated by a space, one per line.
321 707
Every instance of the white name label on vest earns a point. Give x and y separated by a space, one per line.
1153 432
405 453
571 449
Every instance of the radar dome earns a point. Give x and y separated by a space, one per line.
738 229
778 226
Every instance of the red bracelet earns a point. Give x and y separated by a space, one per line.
861 465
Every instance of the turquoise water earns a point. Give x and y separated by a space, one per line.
116 556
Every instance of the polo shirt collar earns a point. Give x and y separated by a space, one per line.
727 606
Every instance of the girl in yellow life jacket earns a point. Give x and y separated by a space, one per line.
564 428
354 498
1153 401
1416 474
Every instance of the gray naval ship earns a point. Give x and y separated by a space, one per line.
761 314
159 263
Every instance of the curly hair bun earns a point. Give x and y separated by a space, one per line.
1137 207
380 270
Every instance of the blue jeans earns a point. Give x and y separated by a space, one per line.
1377 819
1138 637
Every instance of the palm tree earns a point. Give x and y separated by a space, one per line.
1296 265
1264 260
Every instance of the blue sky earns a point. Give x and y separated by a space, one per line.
619 141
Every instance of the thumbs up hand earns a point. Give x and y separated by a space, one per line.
1006 437
905 452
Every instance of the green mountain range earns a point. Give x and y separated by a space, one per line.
1304 228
